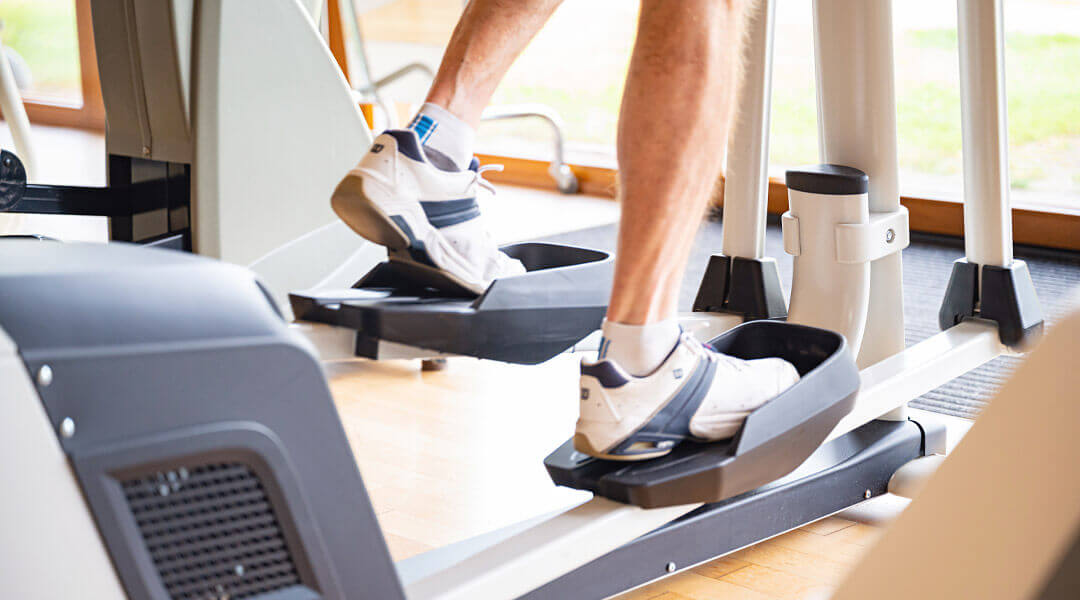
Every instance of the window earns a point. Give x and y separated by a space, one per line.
42 41
51 47
576 65
1042 47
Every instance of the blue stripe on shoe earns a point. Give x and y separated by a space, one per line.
416 248
407 143
672 422
605 373
444 213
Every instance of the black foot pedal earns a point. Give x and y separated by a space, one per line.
523 319
775 439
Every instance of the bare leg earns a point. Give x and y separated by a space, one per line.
672 134
487 39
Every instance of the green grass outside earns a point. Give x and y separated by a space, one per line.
1043 97
44 33
1043 105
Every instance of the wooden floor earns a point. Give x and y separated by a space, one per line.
449 455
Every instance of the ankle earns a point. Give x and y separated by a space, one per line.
638 349
447 140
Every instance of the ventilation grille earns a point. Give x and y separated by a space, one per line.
211 532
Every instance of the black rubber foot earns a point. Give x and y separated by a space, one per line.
1006 295
746 286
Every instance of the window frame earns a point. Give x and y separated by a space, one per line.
90 113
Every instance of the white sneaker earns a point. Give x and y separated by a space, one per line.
427 217
696 393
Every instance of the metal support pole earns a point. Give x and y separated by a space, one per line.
857 128
746 183
15 115
987 218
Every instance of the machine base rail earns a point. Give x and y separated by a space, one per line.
839 474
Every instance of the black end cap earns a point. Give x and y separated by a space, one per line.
1006 296
745 286
835 180
12 180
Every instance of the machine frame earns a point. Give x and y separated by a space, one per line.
867 230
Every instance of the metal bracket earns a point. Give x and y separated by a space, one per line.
789 226
884 234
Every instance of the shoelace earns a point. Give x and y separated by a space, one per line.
716 356
484 183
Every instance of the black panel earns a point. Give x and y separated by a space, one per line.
523 319
772 442
836 476
136 187
165 360
211 531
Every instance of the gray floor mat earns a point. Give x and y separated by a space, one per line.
927 263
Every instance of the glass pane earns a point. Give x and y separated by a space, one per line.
1042 50
576 66
42 44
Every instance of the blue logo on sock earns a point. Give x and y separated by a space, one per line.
424 126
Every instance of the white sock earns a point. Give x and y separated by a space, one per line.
451 138
638 349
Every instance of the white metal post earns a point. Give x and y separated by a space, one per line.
857 128
987 218
746 183
15 114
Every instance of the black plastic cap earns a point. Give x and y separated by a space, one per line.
836 180
1005 296
745 286
12 180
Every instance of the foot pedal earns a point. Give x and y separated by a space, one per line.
774 440
526 319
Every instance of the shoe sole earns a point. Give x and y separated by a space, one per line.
363 216
581 444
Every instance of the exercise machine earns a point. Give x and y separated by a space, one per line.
169 436
177 438
219 140
224 142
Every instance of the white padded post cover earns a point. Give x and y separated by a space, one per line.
996 519
275 130
49 544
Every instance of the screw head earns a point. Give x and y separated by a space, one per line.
670 567
67 427
44 376
890 235
867 494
